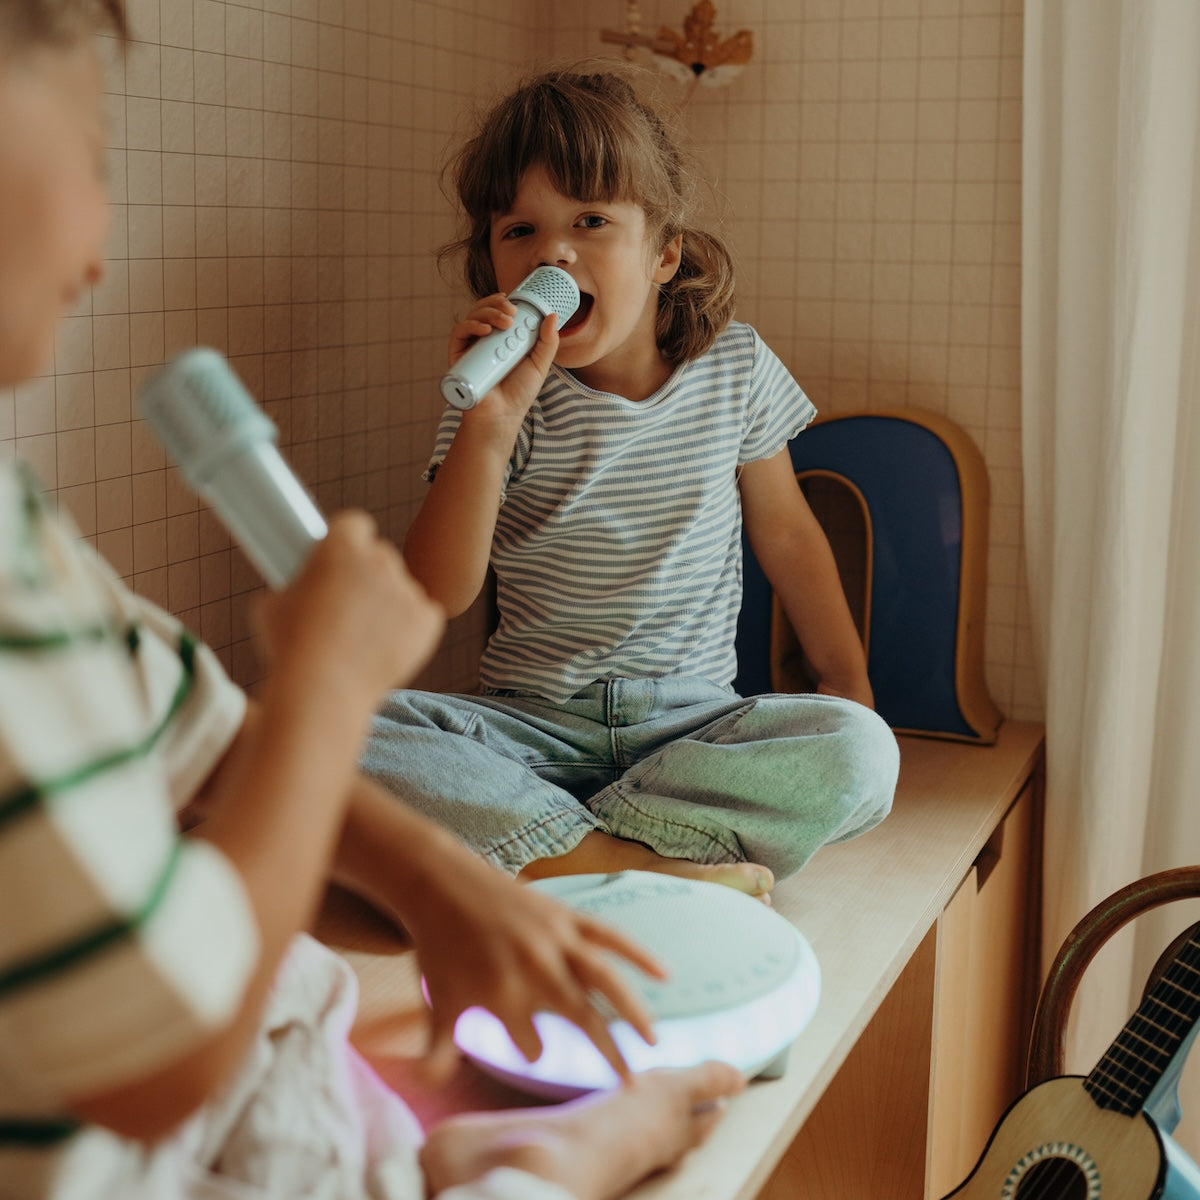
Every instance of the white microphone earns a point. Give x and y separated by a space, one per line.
544 291
225 447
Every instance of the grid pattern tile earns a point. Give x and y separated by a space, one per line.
275 176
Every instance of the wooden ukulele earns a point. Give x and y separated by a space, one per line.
1072 1138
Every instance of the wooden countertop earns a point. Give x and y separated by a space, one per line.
864 907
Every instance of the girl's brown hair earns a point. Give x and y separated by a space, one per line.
25 24
596 140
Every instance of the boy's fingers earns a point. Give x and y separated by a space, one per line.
598 1031
606 936
355 525
441 1057
525 1037
623 999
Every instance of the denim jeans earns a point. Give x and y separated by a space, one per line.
680 764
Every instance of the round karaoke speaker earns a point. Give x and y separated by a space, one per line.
743 983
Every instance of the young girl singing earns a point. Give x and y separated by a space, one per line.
607 481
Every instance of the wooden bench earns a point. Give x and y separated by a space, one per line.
926 933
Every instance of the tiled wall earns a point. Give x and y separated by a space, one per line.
867 162
274 177
275 173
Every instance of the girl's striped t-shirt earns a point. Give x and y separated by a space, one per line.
618 547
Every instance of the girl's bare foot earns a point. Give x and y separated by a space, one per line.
596 1147
598 853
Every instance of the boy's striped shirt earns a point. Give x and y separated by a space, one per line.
121 944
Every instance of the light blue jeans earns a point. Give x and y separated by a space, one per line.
683 765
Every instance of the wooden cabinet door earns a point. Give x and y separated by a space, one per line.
866 1138
987 964
911 1109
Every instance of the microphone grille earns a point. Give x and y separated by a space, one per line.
550 290
201 413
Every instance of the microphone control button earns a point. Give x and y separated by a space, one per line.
530 322
510 342
502 353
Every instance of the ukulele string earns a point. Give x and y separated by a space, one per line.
1053 1184
1125 1076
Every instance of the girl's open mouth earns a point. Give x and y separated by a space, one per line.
579 316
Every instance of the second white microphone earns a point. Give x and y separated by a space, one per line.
225 446
544 291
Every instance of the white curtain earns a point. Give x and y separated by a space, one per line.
1111 421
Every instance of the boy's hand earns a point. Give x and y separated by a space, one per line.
489 941
519 388
355 610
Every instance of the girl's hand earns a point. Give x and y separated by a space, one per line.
354 616
492 312
519 388
485 940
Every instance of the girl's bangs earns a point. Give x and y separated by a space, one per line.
588 155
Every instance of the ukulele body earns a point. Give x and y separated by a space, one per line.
1056 1143
1098 1138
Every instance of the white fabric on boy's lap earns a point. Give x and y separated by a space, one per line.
305 1118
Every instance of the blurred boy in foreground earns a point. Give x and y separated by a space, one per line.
165 1029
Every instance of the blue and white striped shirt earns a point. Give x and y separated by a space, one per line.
618 544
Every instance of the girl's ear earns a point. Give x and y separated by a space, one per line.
669 259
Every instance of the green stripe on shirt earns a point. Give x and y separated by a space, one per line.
70 953
30 795
29 563
49 1131
65 639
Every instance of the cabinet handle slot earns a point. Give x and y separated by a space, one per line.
989 857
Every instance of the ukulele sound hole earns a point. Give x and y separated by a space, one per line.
1053 1179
